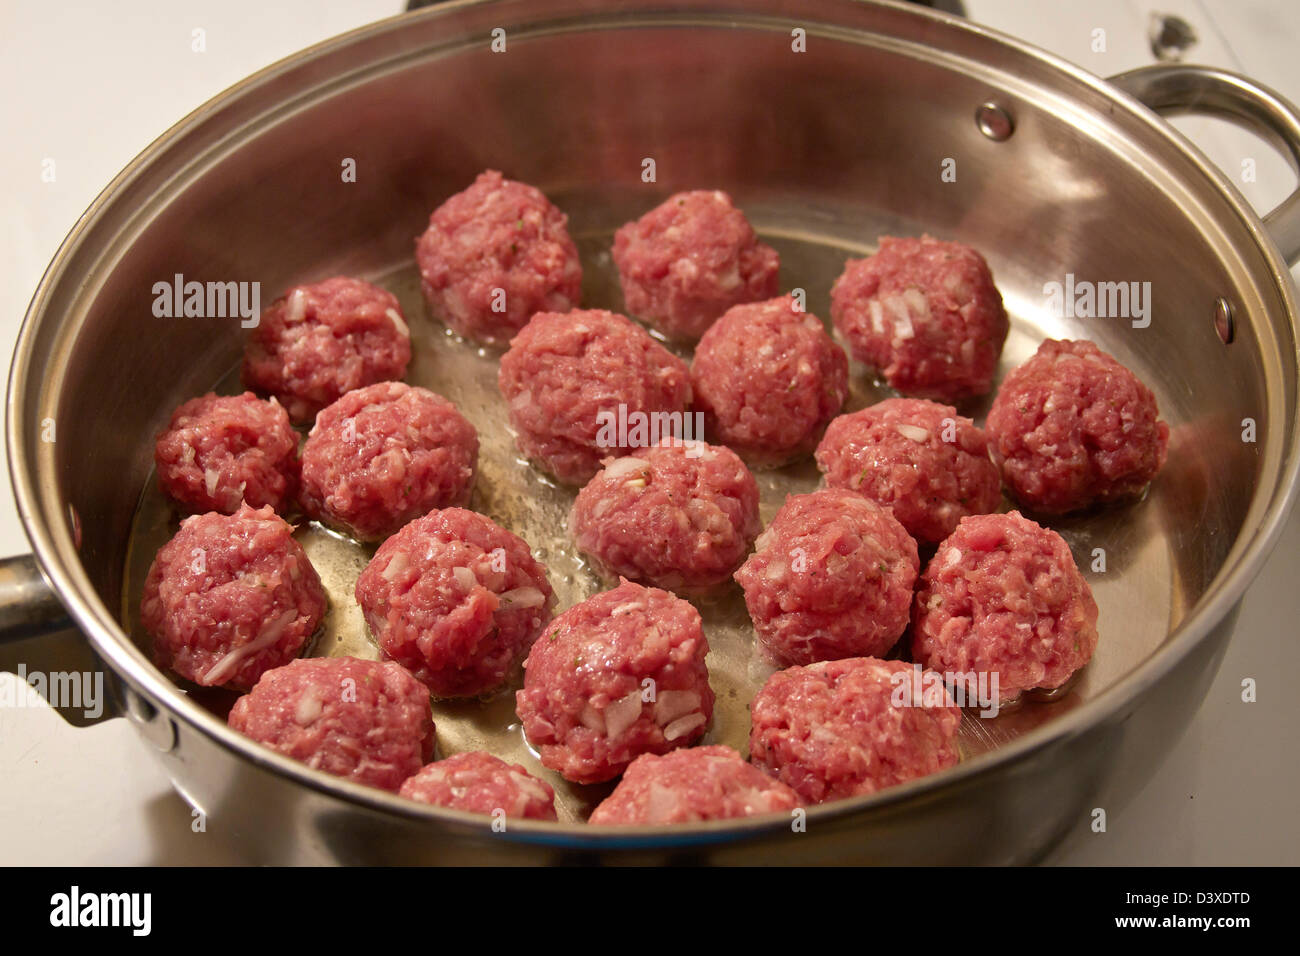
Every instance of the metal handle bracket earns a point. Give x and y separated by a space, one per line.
1178 88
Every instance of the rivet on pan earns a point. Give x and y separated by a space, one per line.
994 122
155 727
141 710
1224 323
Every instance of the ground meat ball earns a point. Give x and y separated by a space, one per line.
363 720
832 578
834 729
687 786
495 254
229 597
681 515
455 599
923 461
1072 427
1003 595
926 314
619 675
322 340
565 375
690 259
221 451
385 454
481 783
768 378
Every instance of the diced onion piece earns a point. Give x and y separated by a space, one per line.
268 636
210 478
464 577
530 786
523 597
622 714
671 704
916 301
914 432
661 803
592 719
396 565
624 466
901 317
954 283
297 306
683 726
877 316
308 709
402 328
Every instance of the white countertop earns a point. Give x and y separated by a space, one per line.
90 85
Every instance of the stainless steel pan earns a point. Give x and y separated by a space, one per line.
1057 172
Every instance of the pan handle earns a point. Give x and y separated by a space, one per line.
1174 88
28 605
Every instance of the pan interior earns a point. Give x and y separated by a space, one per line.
1136 594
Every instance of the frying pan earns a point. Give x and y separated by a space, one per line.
1057 173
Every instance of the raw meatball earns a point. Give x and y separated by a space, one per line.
926 314
565 378
768 378
686 786
364 720
221 451
385 454
679 515
923 461
324 339
229 597
455 599
495 254
1003 596
619 675
1072 427
845 728
832 578
481 783
690 259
